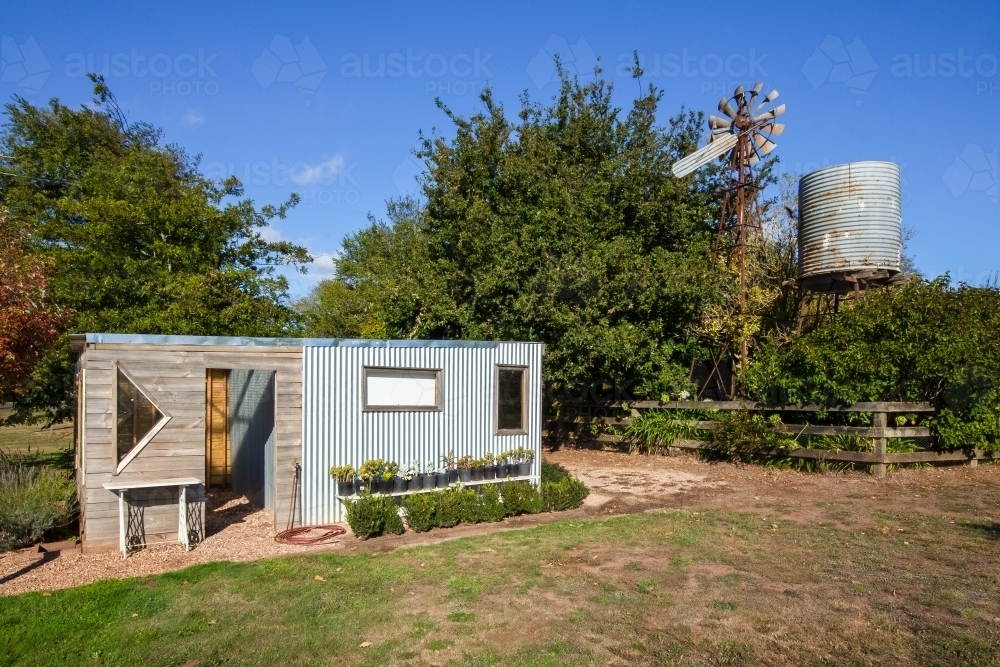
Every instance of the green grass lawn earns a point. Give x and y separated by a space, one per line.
665 588
49 446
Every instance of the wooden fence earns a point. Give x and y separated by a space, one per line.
564 426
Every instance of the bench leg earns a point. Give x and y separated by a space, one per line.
122 525
182 531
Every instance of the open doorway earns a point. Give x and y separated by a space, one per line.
239 433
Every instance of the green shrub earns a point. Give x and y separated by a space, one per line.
553 472
491 507
742 435
33 500
521 498
371 516
450 504
568 493
420 509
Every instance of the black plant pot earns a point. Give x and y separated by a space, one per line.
477 474
523 469
443 479
428 480
503 470
452 476
348 488
398 485
490 472
465 474
413 484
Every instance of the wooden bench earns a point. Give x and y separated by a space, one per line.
122 487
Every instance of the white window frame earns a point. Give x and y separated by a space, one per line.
438 398
114 418
524 399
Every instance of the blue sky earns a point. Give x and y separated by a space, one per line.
327 99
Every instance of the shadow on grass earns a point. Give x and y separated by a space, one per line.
988 529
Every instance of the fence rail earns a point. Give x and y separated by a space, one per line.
570 416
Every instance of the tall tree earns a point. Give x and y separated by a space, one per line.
138 240
29 321
564 227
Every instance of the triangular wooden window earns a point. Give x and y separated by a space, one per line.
137 418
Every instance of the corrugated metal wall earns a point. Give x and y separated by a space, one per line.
336 430
251 424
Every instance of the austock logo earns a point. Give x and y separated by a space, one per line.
180 74
973 170
578 59
835 62
283 62
23 64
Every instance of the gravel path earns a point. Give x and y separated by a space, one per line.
236 532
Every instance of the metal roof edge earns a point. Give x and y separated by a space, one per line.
248 341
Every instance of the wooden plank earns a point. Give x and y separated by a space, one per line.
883 406
807 429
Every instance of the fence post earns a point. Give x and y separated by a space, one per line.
879 420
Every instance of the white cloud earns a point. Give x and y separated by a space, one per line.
322 267
193 118
272 234
304 174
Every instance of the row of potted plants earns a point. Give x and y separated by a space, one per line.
380 476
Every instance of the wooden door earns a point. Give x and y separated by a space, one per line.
217 453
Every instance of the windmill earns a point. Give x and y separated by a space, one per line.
746 131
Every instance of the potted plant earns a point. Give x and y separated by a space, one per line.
391 482
371 472
464 466
443 479
346 485
524 457
503 465
490 466
411 475
428 480
477 469
448 460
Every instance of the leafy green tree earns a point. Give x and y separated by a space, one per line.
137 239
923 341
564 226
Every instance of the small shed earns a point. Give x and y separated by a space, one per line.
164 420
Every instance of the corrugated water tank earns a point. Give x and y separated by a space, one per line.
849 219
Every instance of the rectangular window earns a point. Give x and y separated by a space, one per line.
402 389
511 402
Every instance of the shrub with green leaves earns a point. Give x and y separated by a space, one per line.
521 498
491 507
449 506
922 341
420 509
566 494
371 516
742 435
33 500
553 472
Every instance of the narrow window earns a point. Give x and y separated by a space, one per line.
137 418
510 399
402 389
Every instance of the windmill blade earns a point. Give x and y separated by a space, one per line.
774 129
738 94
704 155
754 93
725 108
771 96
716 123
772 114
764 145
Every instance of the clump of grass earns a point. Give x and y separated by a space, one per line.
33 500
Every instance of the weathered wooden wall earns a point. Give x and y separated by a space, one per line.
174 375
